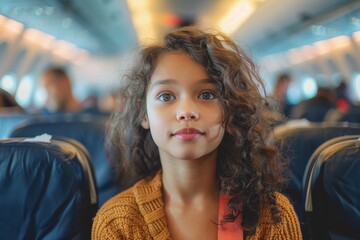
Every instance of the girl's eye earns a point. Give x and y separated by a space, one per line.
166 97
207 95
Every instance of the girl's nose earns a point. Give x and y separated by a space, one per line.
187 116
187 111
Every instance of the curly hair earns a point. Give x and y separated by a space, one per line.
248 169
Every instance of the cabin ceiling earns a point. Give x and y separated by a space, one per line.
106 27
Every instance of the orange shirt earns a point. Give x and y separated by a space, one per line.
230 230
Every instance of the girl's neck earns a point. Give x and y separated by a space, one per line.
190 181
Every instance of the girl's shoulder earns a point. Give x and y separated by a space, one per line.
124 215
288 224
284 206
122 204
128 202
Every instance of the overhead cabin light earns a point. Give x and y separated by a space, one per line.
81 57
2 19
356 36
38 37
308 52
48 42
65 50
356 85
70 52
295 56
322 47
240 11
8 83
23 94
14 26
309 87
340 42
326 46
33 35
143 19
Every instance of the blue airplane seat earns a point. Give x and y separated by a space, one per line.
89 131
332 189
9 120
47 190
353 115
296 144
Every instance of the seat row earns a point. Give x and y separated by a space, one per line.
51 186
323 162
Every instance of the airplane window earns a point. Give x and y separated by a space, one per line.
23 95
40 97
8 82
309 87
294 96
356 85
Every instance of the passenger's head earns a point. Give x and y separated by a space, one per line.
281 86
241 95
57 84
246 165
8 102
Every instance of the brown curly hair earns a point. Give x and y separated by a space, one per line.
247 167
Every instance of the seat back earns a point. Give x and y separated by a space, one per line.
89 132
47 190
296 145
8 121
333 191
353 115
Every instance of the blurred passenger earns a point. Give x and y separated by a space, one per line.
8 102
91 104
108 103
280 94
280 108
315 109
60 97
343 103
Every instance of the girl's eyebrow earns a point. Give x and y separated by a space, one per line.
173 81
162 82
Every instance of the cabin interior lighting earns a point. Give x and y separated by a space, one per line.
81 56
238 13
24 91
2 19
143 19
14 26
295 56
322 47
65 50
309 87
340 42
356 85
308 52
8 83
356 36
33 35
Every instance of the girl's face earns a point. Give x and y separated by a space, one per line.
184 113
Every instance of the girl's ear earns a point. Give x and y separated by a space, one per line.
145 123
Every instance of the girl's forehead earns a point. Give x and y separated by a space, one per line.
178 65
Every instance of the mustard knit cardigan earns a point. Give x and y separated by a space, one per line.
138 213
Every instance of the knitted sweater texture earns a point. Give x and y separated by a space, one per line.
138 213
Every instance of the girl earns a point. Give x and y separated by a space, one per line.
192 125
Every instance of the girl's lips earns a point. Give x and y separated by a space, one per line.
188 133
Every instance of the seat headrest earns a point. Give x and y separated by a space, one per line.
45 190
